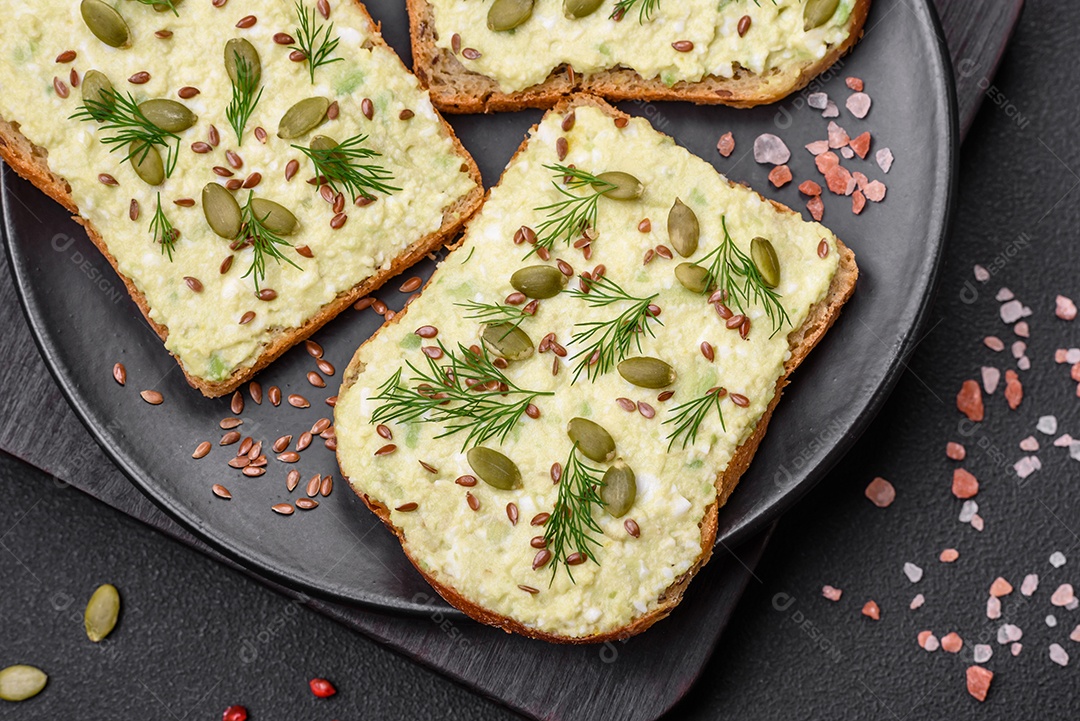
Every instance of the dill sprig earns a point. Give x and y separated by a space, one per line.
688 417
163 4
575 213
466 394
494 313
120 115
570 528
244 97
345 165
162 230
735 272
264 242
610 340
314 41
645 12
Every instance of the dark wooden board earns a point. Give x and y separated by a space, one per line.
639 679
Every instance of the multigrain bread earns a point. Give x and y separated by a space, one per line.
32 162
455 88
356 441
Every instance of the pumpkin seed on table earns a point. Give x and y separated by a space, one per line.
20 682
627 187
169 115
646 372
146 161
619 490
817 12
693 277
97 87
683 229
508 14
303 117
277 218
222 211
239 51
768 264
494 469
591 439
539 281
101 612
507 341
581 8
106 23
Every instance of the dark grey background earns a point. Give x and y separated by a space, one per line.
179 651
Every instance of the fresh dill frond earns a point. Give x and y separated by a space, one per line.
609 341
130 128
645 11
735 272
314 40
264 242
572 215
162 230
494 313
688 417
348 165
244 96
570 528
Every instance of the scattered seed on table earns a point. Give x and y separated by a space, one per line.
221 491
152 397
201 450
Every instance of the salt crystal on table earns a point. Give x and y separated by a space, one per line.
1018 349
817 101
1072 355
1023 363
875 191
1000 587
913 572
1057 559
1063 595
1029 444
818 147
1059 355
1051 620
978 682
919 600
1021 329
880 492
993 607
830 111
1047 425
847 152
949 555
1074 450
990 378
932 643
994 343
1058 655
982 653
771 150
1026 312
1024 467
884 158
1016 648
858 104
968 511
1008 632
1075 635
1031 582
1065 308
1063 440
1012 311
1073 604
833 594
951 642
977 522
838 137
955 451
1003 295
981 274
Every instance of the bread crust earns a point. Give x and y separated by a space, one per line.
455 89
800 341
31 163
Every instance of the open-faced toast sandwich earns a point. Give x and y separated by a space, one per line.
551 426
249 169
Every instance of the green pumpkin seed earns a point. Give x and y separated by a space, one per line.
817 12
221 210
508 14
239 51
494 469
169 115
683 229
619 490
539 281
507 341
101 612
627 187
591 439
693 277
146 161
106 23
18 683
96 87
581 8
645 372
764 255
303 117
277 218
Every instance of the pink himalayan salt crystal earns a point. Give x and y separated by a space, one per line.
884 158
833 594
977 522
949 555
1023 363
838 137
1065 308
1029 444
994 343
993 608
913 572
1063 595
1063 441
982 653
1059 355
1012 311
858 104
1057 559
981 274
928 641
880 492
1026 466
848 153
1072 355
1058 655
1022 329
1003 295
870 609
1009 632
831 110
955 451
817 101
771 150
1030 584
951 642
1016 648
875 191
919 600
1018 349
1000 587
818 147
1075 635
978 681
990 378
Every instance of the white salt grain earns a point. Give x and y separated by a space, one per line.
913 572
1057 559
1047 425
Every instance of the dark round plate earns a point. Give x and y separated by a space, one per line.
84 322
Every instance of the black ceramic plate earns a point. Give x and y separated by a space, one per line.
85 322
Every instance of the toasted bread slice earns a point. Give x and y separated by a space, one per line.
439 183
471 540
459 84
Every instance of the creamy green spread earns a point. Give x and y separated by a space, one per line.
525 56
481 553
204 328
